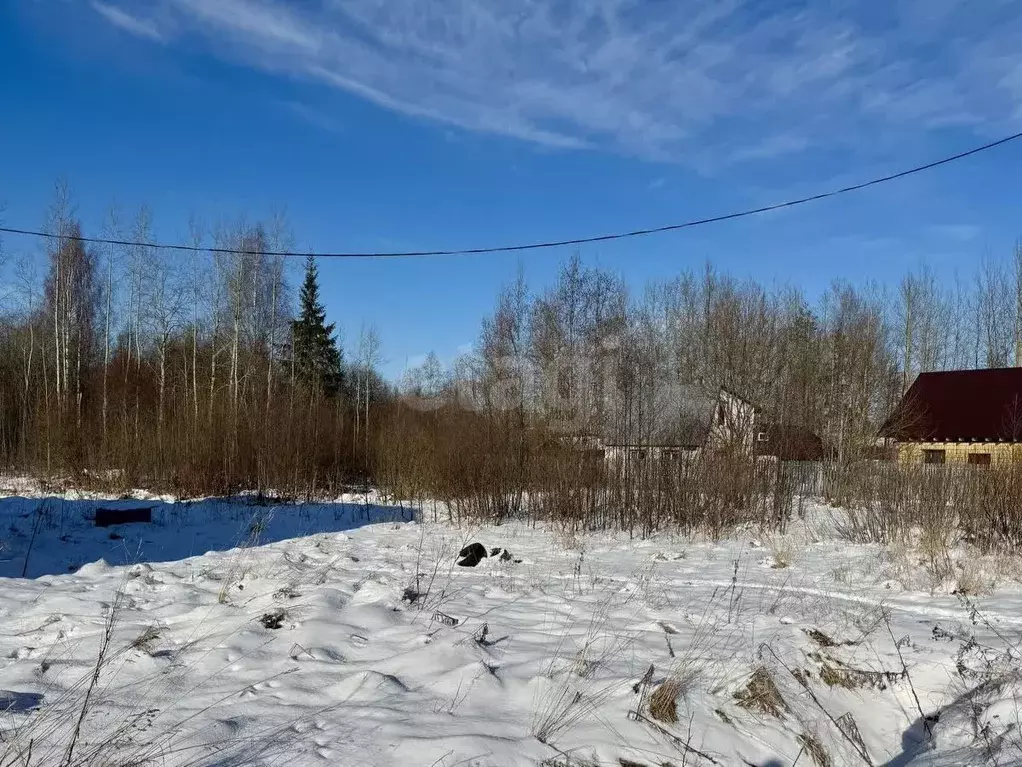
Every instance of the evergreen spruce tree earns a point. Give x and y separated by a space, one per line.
317 356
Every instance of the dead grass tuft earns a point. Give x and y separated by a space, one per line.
663 703
782 549
146 641
820 638
812 746
761 694
834 673
834 677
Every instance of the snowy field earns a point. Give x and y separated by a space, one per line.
343 634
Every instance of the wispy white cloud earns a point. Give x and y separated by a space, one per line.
770 147
312 116
267 26
131 24
702 81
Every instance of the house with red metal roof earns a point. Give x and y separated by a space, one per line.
959 416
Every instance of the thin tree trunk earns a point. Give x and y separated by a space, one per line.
106 351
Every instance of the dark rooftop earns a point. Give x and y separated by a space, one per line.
960 406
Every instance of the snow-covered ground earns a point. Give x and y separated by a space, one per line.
339 634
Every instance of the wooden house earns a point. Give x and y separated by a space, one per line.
959 416
683 422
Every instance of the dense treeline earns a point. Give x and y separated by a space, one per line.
588 354
586 358
134 365
207 372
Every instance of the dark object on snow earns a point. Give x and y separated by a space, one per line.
474 553
105 516
505 556
273 620
471 555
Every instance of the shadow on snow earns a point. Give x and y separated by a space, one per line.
54 536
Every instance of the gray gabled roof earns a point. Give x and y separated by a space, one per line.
675 415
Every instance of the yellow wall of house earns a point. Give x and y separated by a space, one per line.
958 452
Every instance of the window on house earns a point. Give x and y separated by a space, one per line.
933 456
761 437
979 459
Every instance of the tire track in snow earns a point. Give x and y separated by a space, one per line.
937 613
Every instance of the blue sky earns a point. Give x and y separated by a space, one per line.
401 124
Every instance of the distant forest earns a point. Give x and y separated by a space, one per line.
211 372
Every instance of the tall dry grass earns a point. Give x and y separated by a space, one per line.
888 502
491 467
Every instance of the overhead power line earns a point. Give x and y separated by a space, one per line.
538 245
